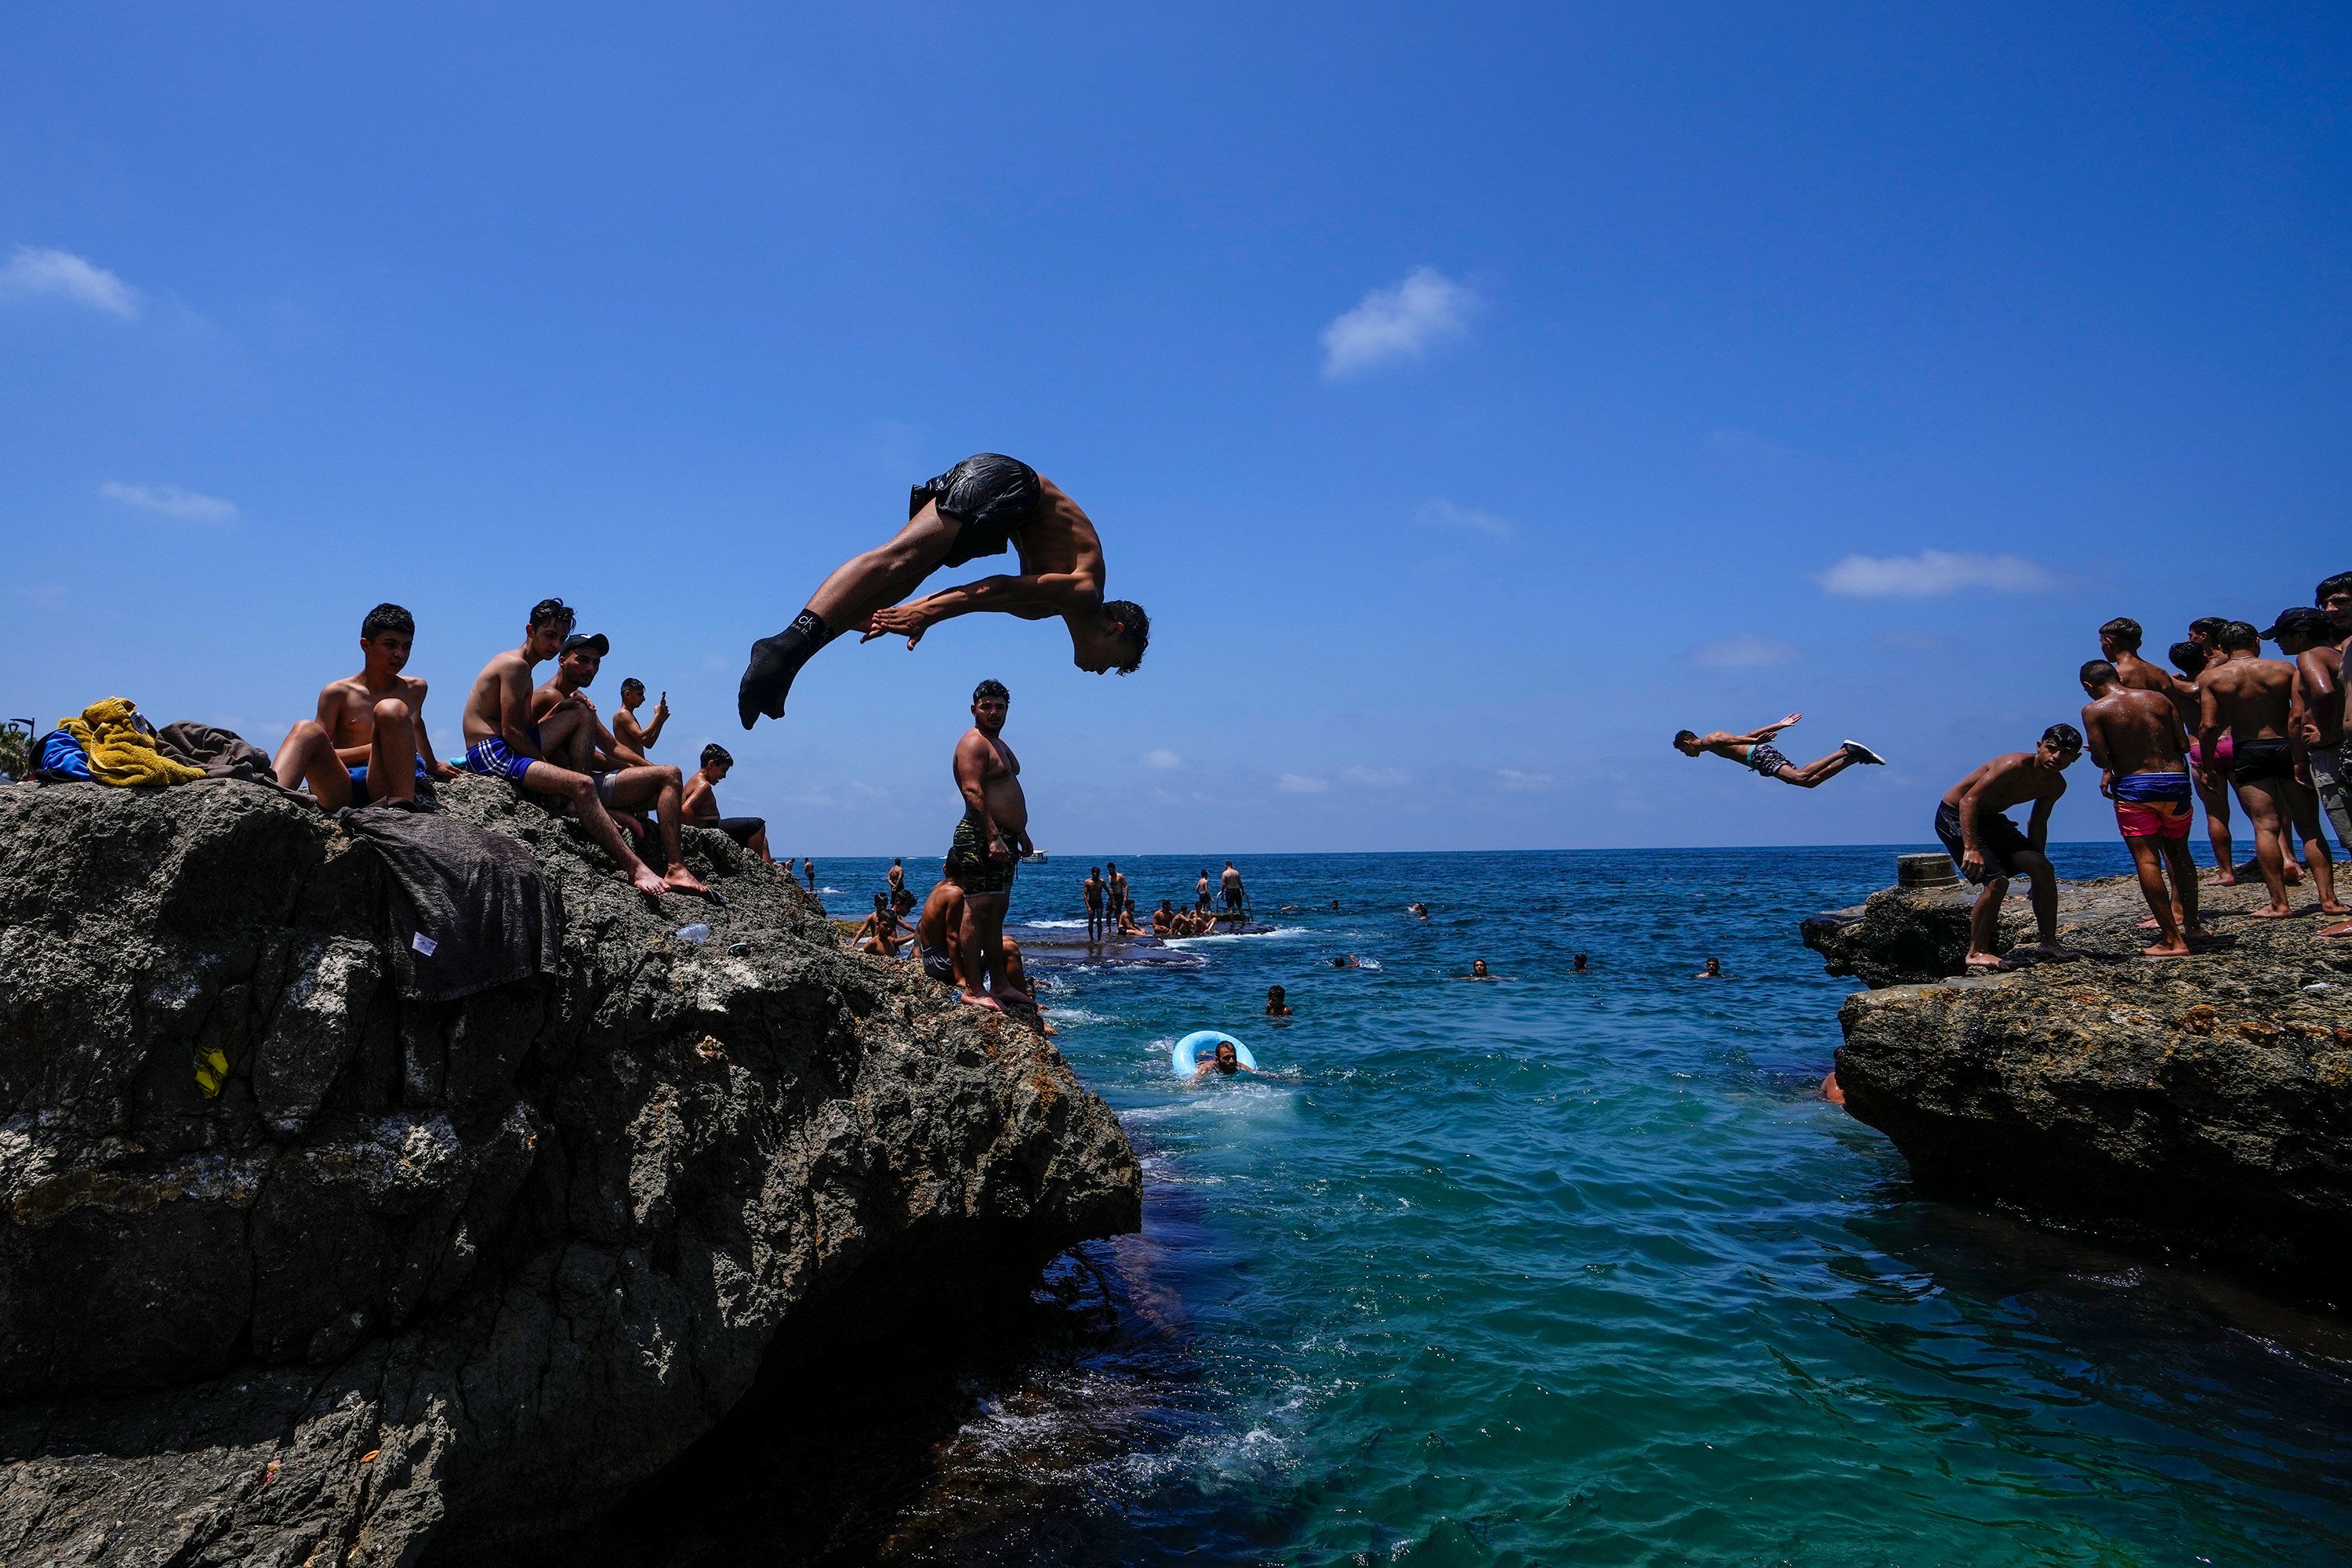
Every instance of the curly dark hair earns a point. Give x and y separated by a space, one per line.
552 613
387 618
1135 631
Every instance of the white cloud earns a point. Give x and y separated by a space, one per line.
1742 652
1929 573
1512 778
171 501
1379 778
1162 757
1396 323
1439 513
60 273
1298 783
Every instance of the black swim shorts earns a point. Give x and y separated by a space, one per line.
970 866
1995 835
989 495
2258 762
742 829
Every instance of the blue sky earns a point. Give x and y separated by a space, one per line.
1474 396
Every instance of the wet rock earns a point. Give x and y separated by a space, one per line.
295 1270
2204 1102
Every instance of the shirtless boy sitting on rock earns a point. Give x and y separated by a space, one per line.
1989 848
368 742
571 735
2137 741
984 505
503 742
2250 699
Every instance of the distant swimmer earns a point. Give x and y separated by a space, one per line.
1276 1002
2251 698
2136 741
1418 911
1226 1063
1335 906
1582 965
982 506
1346 960
1711 970
1755 750
2189 661
1989 850
1477 970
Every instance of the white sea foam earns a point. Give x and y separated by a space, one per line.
1204 940
1053 925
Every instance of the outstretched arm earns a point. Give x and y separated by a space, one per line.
1031 596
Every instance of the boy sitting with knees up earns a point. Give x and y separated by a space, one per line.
368 742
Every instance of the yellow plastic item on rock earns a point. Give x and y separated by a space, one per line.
121 752
212 1070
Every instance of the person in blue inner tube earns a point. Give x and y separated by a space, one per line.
1227 1062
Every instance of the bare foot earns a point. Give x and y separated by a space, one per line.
2343 930
684 880
645 882
2268 913
1986 960
2196 933
980 999
2150 923
2056 950
2335 907
2226 879
2161 950
1006 994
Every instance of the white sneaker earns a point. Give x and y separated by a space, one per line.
1862 754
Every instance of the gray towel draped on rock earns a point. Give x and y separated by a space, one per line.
475 898
221 753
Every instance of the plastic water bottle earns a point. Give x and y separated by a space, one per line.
697 934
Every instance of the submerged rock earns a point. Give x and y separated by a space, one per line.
2204 1101
295 1269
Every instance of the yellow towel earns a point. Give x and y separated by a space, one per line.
119 752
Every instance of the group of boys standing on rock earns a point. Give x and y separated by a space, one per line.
2222 720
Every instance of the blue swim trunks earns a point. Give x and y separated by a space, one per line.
360 785
491 756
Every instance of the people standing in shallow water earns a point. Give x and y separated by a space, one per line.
1755 750
1092 888
984 505
2250 699
1989 850
2136 741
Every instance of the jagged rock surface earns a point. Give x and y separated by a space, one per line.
2204 1101
427 1273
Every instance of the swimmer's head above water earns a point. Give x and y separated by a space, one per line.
1225 1060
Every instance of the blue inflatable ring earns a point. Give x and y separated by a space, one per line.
1185 1058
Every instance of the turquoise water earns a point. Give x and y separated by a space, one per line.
1565 1268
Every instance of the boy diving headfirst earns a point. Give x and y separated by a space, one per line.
368 742
503 742
981 507
1755 750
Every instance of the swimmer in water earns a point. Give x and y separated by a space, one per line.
1477 970
1581 966
1420 910
1276 1004
1714 970
1226 1063
1346 960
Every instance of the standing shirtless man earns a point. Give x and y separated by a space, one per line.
1119 901
368 742
988 845
503 742
1988 848
982 506
2136 739
1096 927
2310 637
2190 660
2250 699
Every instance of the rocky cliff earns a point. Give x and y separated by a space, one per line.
296 1270
2204 1102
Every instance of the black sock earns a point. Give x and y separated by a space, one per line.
775 660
